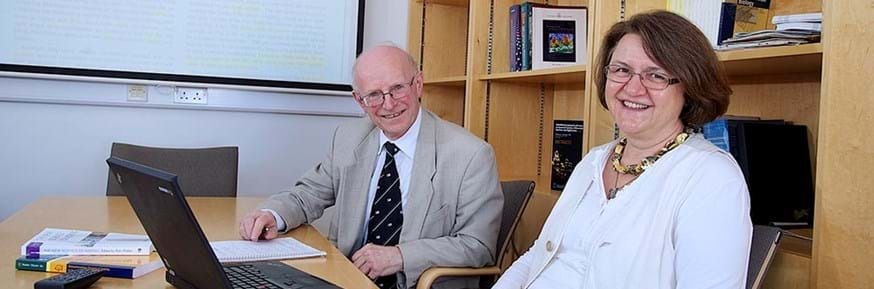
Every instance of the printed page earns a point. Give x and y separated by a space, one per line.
276 249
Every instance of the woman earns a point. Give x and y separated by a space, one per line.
661 207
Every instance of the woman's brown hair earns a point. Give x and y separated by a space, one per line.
682 50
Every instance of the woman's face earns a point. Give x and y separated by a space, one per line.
642 112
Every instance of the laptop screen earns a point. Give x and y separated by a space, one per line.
161 207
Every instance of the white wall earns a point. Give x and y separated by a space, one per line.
60 149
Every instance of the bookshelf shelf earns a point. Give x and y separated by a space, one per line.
459 3
457 81
805 58
561 75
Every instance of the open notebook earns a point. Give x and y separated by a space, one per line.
276 249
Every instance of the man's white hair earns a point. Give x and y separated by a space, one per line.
414 66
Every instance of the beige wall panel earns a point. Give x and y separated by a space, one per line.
844 224
477 61
788 271
783 7
414 30
445 41
446 101
514 125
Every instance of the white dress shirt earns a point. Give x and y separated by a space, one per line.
403 162
684 223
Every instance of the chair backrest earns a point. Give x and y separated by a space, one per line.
516 195
204 172
762 250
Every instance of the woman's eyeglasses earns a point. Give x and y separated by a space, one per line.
649 79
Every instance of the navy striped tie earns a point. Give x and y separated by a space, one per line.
386 212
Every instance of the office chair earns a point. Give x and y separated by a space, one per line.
203 172
762 250
516 195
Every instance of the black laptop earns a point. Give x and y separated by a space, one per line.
161 207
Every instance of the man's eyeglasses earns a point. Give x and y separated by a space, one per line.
377 97
649 79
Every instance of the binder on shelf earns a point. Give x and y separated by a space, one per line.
775 160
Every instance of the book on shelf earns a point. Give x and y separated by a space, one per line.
715 18
809 26
764 38
129 267
276 249
515 38
525 29
52 241
567 151
558 36
800 17
751 15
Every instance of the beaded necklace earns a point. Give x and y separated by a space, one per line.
637 169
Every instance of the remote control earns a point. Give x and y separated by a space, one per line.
74 279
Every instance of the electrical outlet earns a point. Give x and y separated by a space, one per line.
137 93
190 95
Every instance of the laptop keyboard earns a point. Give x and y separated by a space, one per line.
245 276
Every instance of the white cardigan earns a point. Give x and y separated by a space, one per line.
684 223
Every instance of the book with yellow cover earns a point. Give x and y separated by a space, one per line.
751 15
115 266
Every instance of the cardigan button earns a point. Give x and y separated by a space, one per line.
549 246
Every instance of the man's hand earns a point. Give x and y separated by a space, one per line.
377 261
258 225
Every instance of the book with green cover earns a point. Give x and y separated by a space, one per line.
115 266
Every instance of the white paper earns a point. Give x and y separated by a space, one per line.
276 249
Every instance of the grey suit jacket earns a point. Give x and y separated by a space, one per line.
454 204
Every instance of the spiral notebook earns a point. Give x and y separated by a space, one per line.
276 249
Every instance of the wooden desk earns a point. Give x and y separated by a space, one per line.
217 216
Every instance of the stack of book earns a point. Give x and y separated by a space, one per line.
791 29
58 250
543 36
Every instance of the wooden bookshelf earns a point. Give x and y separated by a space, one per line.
824 86
560 75
457 81
459 3
798 59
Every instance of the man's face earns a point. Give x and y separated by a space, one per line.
387 69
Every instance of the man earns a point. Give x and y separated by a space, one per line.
413 191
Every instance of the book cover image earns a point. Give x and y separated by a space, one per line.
567 151
751 15
558 36
559 41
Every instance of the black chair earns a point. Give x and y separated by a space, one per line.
516 195
203 172
762 250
